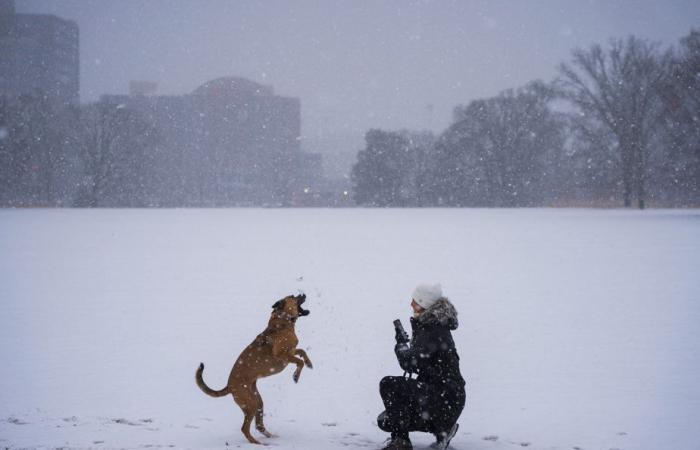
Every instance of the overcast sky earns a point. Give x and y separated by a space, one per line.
354 64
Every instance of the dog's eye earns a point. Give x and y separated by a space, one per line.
279 304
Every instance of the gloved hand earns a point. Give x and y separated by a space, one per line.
401 335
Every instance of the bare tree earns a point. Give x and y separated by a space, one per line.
417 164
618 88
680 95
379 175
114 141
34 151
502 151
593 174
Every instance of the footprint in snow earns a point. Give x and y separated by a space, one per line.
490 438
122 421
355 440
16 421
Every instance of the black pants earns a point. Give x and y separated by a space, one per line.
414 406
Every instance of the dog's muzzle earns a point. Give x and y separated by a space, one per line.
301 299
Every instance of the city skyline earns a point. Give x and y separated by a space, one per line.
354 66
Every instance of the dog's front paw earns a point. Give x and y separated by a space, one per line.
308 364
296 375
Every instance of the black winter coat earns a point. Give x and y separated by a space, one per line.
432 353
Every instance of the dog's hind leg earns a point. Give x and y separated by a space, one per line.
244 397
259 425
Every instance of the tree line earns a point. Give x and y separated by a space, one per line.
129 152
52 154
620 124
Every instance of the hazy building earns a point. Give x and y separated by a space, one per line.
39 55
230 142
143 88
7 7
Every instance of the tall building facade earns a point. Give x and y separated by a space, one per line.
40 55
231 142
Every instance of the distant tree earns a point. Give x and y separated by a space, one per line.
15 164
592 174
415 182
680 141
617 88
501 151
34 151
378 176
114 144
451 179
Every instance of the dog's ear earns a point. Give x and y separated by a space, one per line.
278 305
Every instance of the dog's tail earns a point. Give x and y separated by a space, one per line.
206 389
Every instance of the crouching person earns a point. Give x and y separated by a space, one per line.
433 401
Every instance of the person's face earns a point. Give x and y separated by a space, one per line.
417 309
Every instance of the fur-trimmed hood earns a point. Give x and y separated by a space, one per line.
442 312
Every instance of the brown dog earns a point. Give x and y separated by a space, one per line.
267 355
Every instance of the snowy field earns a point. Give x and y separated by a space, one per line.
579 329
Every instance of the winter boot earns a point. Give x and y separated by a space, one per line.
398 442
443 439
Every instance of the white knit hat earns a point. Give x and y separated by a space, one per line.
427 294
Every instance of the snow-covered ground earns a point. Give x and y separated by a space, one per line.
579 328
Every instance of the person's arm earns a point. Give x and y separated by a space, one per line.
413 358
